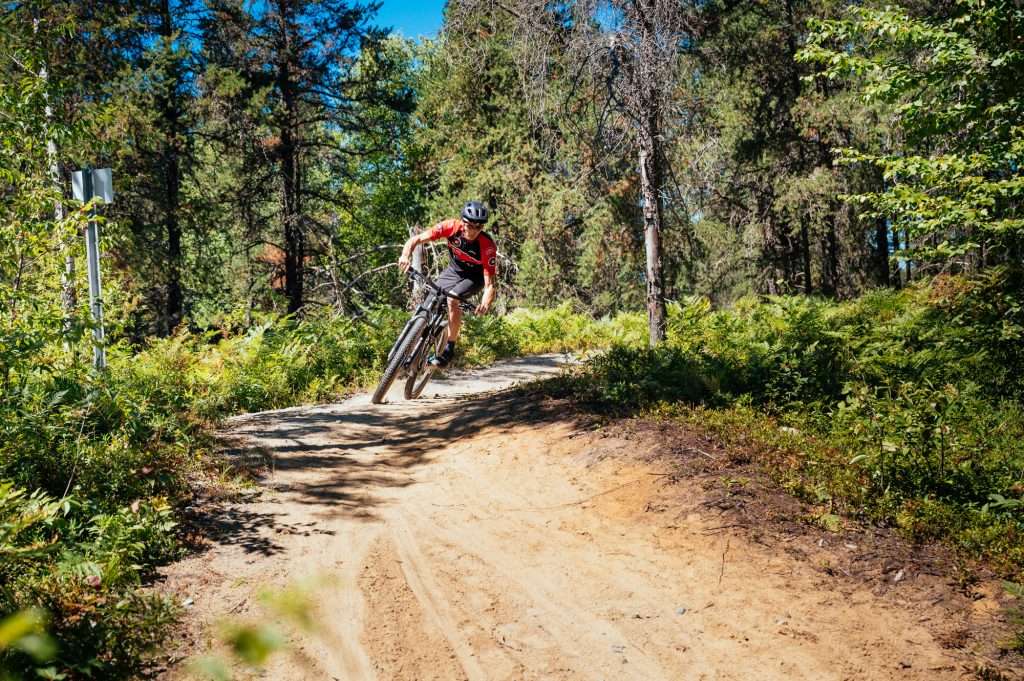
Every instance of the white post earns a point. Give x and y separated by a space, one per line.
92 250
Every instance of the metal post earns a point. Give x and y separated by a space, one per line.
92 248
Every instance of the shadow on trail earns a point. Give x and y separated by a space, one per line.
343 458
240 526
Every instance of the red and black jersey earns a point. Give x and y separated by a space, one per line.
472 258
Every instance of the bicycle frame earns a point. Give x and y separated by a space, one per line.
429 322
434 308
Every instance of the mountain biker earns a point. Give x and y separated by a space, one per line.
472 267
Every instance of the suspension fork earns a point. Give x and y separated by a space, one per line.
405 331
435 323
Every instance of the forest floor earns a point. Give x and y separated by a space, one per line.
482 535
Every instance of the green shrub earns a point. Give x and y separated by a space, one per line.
908 402
642 376
108 455
80 569
562 330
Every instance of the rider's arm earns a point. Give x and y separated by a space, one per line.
489 258
405 260
489 293
439 231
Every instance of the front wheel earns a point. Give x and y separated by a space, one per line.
398 358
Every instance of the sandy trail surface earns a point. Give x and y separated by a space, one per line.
478 536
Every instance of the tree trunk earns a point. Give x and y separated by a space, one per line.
68 294
830 263
882 252
419 289
294 229
774 251
650 184
68 297
1015 254
906 261
897 276
294 237
172 180
646 88
805 257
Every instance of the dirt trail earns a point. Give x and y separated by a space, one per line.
477 538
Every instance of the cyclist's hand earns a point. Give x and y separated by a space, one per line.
404 262
482 308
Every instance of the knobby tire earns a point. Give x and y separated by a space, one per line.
398 358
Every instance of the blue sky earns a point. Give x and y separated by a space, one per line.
411 18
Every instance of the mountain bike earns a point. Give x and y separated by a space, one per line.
424 334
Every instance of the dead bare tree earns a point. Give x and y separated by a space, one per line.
627 54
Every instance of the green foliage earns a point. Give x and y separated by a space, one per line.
562 330
279 362
24 634
643 376
906 406
1016 616
561 231
107 454
80 567
79 524
953 83
756 165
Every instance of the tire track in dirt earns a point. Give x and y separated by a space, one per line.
641 585
404 633
432 599
625 621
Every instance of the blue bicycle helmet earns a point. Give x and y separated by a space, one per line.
474 211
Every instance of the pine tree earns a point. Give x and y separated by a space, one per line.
299 57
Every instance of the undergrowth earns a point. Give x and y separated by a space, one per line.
902 407
94 466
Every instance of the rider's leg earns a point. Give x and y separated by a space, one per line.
454 320
454 326
456 282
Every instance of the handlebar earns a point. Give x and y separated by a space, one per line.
463 303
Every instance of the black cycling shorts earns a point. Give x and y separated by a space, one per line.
460 283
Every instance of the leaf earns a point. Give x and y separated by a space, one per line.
831 522
18 625
254 643
212 668
40 646
998 501
25 631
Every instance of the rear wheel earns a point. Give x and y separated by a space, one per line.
419 370
398 357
